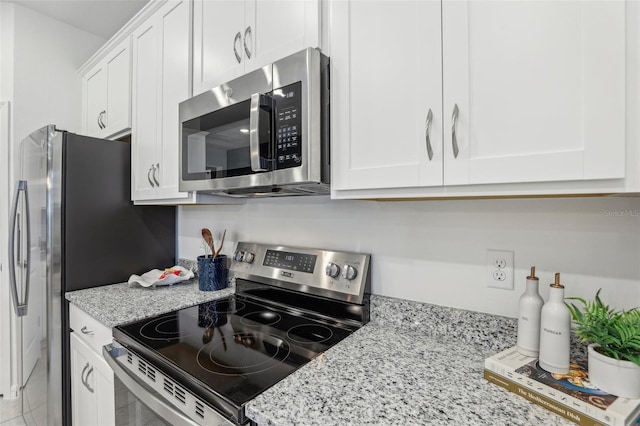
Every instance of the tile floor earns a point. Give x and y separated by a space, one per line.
35 401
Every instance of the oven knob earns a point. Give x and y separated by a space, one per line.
248 257
349 272
332 270
238 255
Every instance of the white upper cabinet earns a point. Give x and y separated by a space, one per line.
107 94
538 88
248 35
160 83
386 94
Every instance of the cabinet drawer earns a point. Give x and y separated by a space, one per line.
90 330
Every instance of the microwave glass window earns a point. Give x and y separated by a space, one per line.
216 145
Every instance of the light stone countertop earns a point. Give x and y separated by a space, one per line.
412 364
122 303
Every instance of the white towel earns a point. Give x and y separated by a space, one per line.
156 277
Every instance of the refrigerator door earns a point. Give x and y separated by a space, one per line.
27 255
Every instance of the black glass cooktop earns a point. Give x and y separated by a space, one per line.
235 346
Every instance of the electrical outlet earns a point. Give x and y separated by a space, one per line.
499 269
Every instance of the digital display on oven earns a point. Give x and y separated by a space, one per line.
292 261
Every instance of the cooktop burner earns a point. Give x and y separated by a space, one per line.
225 343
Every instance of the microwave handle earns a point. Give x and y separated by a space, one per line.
258 100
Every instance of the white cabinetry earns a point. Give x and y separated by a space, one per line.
92 397
539 90
232 37
160 83
107 94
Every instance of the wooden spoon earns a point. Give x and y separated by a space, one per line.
217 253
208 238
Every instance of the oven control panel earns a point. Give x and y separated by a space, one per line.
334 274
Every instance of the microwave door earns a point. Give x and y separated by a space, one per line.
226 136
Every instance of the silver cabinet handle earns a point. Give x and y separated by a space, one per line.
235 44
152 168
155 179
143 391
86 380
82 379
85 330
20 308
454 139
247 32
427 131
100 122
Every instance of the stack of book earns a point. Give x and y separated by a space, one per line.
569 395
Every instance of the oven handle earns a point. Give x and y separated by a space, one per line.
142 391
258 101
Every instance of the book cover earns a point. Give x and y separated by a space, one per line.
575 383
571 392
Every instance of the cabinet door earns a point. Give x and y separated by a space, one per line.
174 88
95 94
278 28
540 90
218 52
118 67
144 135
91 386
102 377
386 76
83 401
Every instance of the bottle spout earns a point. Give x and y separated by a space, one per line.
533 274
557 284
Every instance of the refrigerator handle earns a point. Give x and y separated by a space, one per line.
20 308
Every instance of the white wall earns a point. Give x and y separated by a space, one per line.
47 88
435 251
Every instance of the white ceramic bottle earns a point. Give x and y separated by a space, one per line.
529 309
555 326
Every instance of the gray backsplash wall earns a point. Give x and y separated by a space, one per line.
435 251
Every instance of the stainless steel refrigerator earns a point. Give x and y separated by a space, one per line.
73 227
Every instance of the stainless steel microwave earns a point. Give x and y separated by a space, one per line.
263 134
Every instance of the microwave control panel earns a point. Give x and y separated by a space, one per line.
288 126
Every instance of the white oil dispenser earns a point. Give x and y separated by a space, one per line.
555 326
529 310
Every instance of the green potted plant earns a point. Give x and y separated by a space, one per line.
614 349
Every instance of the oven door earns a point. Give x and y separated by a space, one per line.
139 400
227 135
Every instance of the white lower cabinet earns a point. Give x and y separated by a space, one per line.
92 391
91 386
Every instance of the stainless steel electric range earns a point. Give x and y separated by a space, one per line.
203 364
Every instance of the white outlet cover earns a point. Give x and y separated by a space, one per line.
495 257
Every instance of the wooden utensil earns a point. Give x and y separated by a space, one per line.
217 253
208 238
